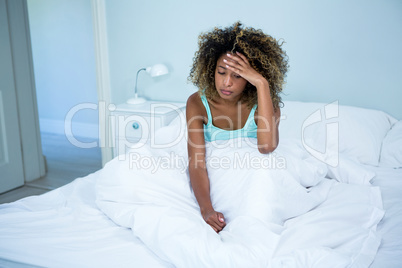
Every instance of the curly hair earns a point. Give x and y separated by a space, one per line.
263 52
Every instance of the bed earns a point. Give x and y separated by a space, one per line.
331 198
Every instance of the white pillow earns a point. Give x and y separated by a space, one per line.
391 152
355 132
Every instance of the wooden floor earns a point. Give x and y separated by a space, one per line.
65 162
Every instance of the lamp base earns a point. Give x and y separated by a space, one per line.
137 100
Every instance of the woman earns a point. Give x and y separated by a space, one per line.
239 73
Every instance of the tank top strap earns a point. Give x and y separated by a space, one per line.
206 105
252 112
251 115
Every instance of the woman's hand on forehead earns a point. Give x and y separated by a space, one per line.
239 64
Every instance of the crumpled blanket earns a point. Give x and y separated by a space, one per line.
280 209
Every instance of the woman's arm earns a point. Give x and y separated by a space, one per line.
267 120
267 117
197 165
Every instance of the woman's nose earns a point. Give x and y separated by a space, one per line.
228 81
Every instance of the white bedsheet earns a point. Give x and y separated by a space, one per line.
76 234
390 228
327 223
64 228
125 216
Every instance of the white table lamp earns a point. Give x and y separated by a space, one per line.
156 70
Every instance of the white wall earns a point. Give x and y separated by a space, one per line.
339 50
64 63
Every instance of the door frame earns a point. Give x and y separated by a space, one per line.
34 163
102 78
28 116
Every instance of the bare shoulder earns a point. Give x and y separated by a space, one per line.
194 106
194 99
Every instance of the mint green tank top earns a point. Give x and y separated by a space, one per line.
212 133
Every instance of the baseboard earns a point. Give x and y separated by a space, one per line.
78 129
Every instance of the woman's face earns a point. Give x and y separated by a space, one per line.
229 85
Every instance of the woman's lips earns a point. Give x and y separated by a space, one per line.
226 92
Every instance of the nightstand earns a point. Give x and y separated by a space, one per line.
133 125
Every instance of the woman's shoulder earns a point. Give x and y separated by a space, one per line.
194 98
194 105
194 101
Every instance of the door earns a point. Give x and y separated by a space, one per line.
11 165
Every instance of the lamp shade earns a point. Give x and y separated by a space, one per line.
157 70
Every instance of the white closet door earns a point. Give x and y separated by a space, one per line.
11 166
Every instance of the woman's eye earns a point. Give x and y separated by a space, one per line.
237 76
220 73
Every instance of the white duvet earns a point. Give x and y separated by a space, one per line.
280 209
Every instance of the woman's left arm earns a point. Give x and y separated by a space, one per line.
267 116
267 120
